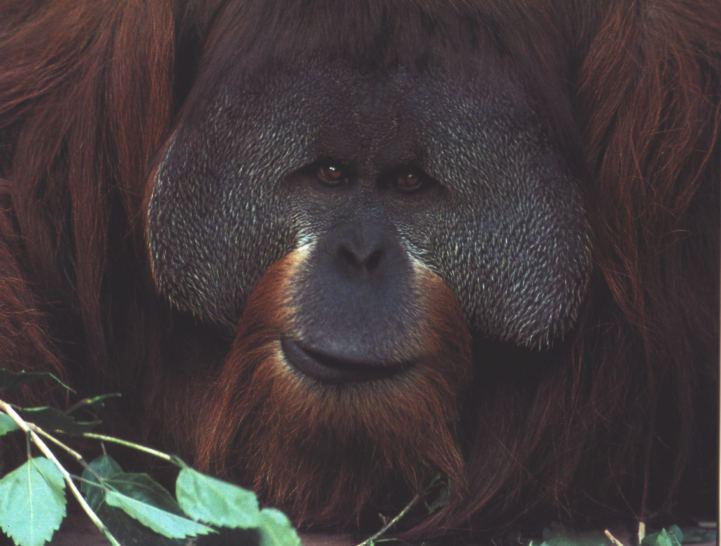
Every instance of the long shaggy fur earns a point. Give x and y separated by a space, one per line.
304 448
89 90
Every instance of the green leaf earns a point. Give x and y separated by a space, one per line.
161 521
142 487
673 536
676 531
139 486
276 529
126 529
6 424
10 380
98 470
216 502
54 420
32 502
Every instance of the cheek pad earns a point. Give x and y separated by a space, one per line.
513 240
518 257
216 219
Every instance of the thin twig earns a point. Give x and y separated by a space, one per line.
641 531
69 450
612 538
92 400
149 450
392 522
45 450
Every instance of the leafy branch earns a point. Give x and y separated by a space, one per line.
45 450
33 496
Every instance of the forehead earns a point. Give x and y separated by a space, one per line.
353 114
384 115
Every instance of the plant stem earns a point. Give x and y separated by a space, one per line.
69 450
641 531
92 400
45 450
132 445
392 522
612 538
74 454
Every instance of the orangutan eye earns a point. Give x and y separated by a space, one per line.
331 174
408 182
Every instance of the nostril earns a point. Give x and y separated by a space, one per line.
374 260
348 256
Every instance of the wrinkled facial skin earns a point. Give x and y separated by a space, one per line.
498 217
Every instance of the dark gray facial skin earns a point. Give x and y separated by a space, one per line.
498 218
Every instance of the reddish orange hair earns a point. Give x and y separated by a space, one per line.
89 90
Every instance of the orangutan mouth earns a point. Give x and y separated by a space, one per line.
337 369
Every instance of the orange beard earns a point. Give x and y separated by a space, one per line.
324 453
